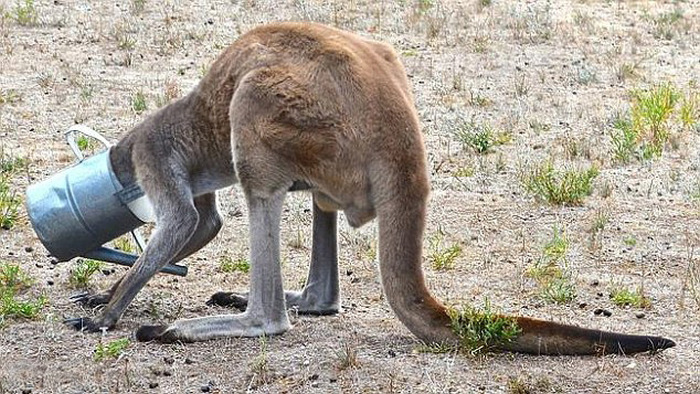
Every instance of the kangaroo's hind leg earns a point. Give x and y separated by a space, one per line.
321 294
208 227
266 313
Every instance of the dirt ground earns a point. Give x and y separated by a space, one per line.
549 73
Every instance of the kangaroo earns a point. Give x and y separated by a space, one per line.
300 106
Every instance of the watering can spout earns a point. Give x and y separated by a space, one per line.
117 257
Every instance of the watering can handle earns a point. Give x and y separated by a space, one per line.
70 137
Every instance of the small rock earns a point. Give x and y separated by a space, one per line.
26 391
205 388
106 272
189 361
607 313
28 249
49 282
600 294
392 353
314 384
313 377
640 315
582 305
167 372
54 261
38 265
333 380
595 282
597 311
153 385
168 360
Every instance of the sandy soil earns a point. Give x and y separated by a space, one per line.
551 73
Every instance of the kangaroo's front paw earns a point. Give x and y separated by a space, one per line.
90 300
85 324
227 299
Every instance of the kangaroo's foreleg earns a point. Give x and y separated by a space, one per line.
177 220
266 313
208 227
321 295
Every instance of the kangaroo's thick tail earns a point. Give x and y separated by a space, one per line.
401 225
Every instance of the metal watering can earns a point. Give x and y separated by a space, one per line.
79 209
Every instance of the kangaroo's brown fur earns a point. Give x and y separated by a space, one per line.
293 105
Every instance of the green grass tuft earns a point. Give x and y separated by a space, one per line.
138 102
481 138
442 257
112 349
228 265
13 280
623 296
481 330
559 187
555 283
83 271
643 133
24 13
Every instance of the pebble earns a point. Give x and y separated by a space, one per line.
205 388
28 249
168 360
153 385
595 282
26 391
582 305
49 282
607 313
640 315
189 361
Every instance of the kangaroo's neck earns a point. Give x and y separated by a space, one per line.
183 125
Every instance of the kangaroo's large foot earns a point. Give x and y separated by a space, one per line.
302 302
205 328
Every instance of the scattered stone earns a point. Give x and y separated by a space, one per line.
607 313
167 372
600 294
595 282
640 315
205 388
313 377
597 311
153 385
26 391
28 249
106 272
168 360
189 361
333 380
392 353
49 282
39 265
582 305
54 261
